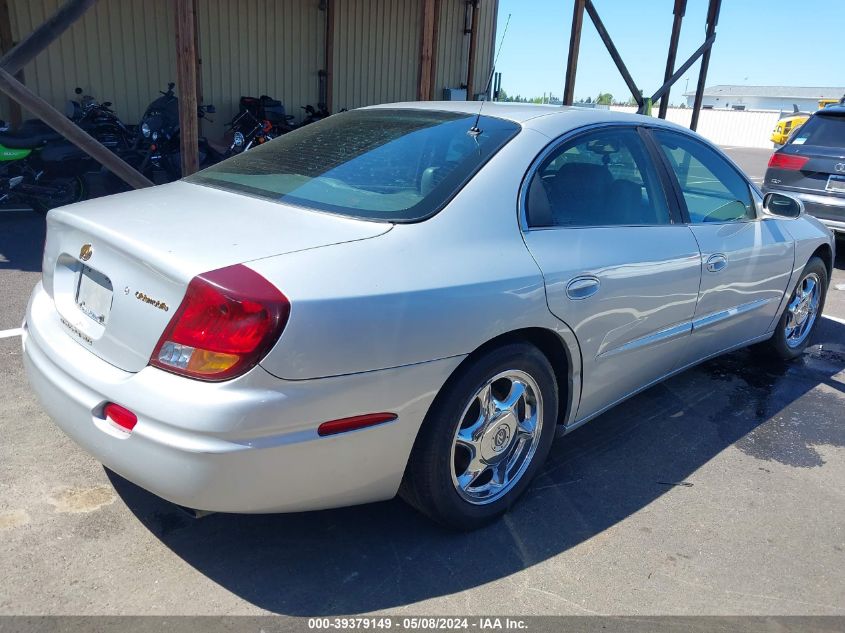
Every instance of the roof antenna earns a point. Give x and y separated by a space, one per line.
475 131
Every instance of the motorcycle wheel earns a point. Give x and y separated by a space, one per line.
67 190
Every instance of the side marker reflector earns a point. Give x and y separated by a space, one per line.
354 423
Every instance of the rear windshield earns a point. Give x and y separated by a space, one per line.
821 130
381 164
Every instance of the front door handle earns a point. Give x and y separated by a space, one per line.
582 287
716 262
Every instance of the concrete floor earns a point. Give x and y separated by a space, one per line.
720 491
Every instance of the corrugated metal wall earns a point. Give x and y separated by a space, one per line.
377 44
376 52
123 51
255 47
453 45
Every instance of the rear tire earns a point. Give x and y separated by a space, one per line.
484 438
801 315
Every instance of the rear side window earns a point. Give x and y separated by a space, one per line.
601 178
821 130
712 189
396 165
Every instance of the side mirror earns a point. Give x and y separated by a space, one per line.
782 205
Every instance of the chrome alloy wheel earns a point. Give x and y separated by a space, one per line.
803 310
497 437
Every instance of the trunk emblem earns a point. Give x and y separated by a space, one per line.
161 305
840 167
85 252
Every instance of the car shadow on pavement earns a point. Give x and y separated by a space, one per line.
21 240
385 555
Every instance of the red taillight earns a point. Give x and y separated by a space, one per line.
228 320
120 416
353 424
787 161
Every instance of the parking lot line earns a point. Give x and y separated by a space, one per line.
833 318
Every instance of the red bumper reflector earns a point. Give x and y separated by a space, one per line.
354 423
120 416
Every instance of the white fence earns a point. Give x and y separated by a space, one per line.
734 128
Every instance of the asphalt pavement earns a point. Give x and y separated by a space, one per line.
719 491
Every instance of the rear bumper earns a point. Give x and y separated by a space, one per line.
247 445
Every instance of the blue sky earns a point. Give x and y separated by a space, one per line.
758 42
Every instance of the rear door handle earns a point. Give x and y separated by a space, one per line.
716 262
582 287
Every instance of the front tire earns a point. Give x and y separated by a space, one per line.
800 317
484 439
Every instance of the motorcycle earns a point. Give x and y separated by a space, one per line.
155 150
243 132
259 119
39 168
270 110
313 115
100 121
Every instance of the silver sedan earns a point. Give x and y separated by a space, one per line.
412 298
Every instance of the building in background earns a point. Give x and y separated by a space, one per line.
349 53
777 98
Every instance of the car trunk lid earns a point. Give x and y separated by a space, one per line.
118 267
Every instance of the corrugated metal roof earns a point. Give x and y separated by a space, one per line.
778 92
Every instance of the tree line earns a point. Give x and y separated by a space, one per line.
603 98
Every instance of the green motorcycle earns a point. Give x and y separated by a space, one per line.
38 168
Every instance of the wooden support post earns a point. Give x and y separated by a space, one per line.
684 68
199 59
330 15
679 11
473 41
574 49
186 82
712 19
614 54
426 76
6 44
44 35
434 42
72 132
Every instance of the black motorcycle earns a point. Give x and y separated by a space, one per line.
312 114
259 120
155 151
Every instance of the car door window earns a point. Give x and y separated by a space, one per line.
712 189
601 178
